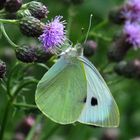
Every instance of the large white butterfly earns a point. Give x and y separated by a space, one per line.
74 91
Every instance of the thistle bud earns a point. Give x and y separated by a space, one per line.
2 3
31 26
2 69
29 54
130 69
89 48
116 16
13 5
38 10
118 49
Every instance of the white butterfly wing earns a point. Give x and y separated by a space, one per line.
100 108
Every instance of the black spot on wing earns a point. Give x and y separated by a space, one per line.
85 99
94 101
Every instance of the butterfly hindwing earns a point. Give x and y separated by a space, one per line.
61 91
100 108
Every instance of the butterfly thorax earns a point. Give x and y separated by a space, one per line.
72 52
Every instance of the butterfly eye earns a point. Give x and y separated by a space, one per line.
94 101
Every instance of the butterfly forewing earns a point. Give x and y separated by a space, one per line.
100 108
61 91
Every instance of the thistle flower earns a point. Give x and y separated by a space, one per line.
131 10
54 35
132 33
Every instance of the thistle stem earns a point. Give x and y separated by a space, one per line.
8 107
99 35
52 131
7 37
5 118
9 21
23 105
33 129
25 6
100 25
2 11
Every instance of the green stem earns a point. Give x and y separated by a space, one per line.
5 118
100 25
43 65
2 11
32 131
22 86
25 6
25 105
2 15
115 81
9 79
8 107
9 21
52 131
7 37
98 35
3 84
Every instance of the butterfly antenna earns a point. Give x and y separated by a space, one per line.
90 22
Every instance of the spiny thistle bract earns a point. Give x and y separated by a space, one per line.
29 54
31 26
38 9
23 13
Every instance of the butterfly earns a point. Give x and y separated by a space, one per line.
73 90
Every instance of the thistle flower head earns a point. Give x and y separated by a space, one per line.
132 33
54 35
131 10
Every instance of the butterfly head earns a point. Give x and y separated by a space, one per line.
72 51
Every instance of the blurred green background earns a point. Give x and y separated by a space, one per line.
126 92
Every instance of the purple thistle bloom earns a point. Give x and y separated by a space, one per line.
54 35
131 10
132 33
